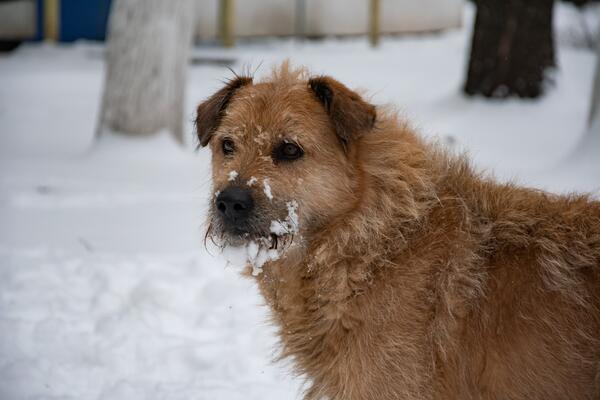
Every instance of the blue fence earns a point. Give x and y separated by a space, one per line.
79 19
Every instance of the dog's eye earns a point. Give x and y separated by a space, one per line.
228 147
288 152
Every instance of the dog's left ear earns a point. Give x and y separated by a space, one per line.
210 113
350 114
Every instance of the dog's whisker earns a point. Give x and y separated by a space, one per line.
207 234
273 242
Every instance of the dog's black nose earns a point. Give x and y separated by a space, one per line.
235 204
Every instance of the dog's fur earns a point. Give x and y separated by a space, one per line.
412 276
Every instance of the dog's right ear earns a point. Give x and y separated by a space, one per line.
350 114
211 111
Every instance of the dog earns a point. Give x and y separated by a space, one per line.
393 269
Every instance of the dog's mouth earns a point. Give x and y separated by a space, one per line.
240 237
243 250
258 242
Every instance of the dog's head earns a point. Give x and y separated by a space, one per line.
283 155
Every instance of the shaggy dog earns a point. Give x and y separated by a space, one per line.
392 268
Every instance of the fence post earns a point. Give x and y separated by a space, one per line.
52 20
300 18
374 22
226 22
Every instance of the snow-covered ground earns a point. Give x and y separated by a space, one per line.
106 291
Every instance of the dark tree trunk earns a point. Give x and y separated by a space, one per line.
511 49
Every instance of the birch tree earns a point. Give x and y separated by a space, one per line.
147 59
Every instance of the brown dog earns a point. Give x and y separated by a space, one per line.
400 273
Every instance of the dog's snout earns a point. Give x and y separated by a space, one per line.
235 204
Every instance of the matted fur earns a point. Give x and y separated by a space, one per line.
413 276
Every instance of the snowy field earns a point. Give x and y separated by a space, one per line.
106 291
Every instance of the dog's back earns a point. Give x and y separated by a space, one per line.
526 321
494 294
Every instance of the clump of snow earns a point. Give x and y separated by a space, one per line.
290 224
267 189
232 175
292 207
254 253
257 255
278 227
235 256
251 181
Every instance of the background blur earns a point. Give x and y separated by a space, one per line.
106 290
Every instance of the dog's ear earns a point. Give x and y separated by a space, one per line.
210 113
350 114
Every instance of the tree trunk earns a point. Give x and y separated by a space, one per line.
147 59
511 49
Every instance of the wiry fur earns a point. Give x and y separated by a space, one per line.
429 281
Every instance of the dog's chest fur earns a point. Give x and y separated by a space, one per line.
335 319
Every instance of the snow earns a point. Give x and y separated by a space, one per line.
107 290
254 254
290 224
232 175
257 255
278 227
251 181
267 189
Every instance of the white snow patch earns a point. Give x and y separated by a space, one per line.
278 227
292 207
232 175
267 189
254 254
290 224
235 257
257 255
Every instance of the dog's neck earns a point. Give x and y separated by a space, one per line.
395 195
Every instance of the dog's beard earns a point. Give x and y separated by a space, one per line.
265 236
260 243
220 237
246 251
272 232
